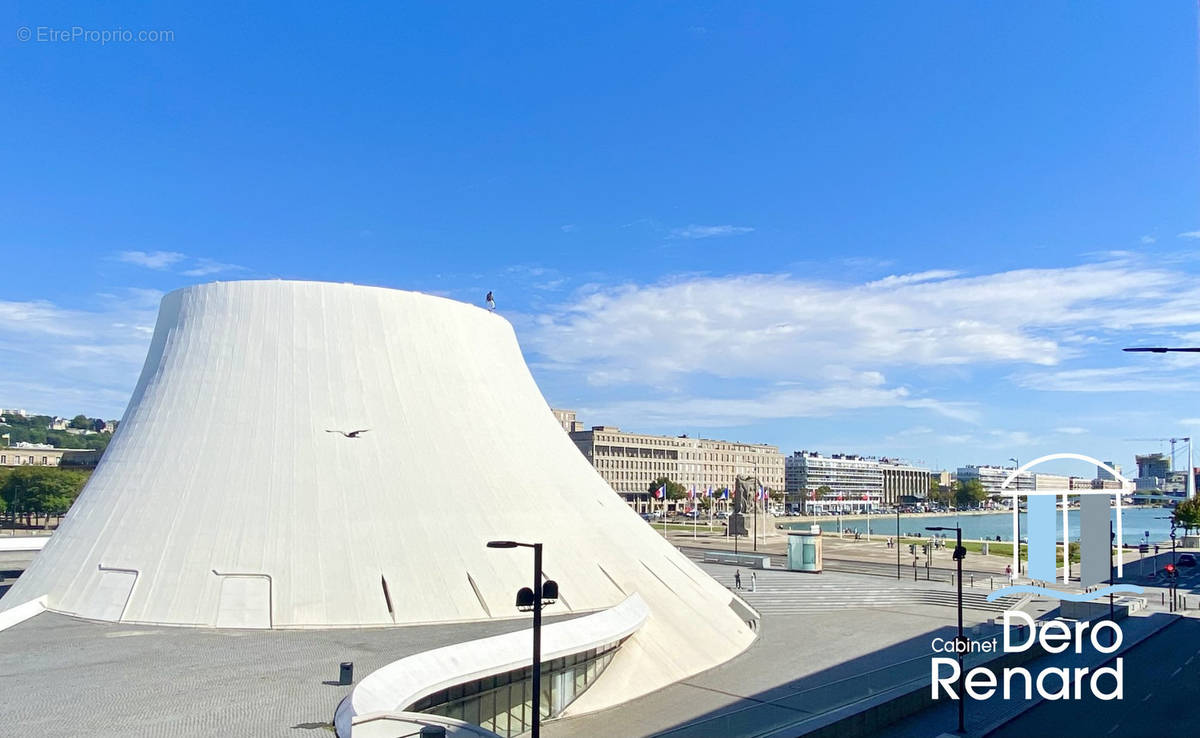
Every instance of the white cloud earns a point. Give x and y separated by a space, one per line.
701 231
714 336
780 327
789 403
568 228
203 267
1109 379
1190 234
1009 438
62 360
1071 430
896 280
162 260
151 259
1148 239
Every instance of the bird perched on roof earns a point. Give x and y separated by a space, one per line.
351 434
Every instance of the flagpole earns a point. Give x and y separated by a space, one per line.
664 514
756 518
695 509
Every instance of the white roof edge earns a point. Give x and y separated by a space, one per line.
24 543
397 685
22 612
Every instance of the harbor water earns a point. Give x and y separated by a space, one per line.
1137 522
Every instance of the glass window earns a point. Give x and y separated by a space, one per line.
523 708
471 711
487 709
502 708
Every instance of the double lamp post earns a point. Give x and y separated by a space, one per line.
542 593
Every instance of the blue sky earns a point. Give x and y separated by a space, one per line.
917 229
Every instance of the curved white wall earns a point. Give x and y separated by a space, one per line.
222 501
394 687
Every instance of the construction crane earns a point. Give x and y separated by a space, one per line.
1191 476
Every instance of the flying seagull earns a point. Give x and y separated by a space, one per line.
1162 350
351 434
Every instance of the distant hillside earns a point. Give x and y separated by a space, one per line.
79 432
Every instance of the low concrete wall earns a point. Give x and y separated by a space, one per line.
1093 610
750 561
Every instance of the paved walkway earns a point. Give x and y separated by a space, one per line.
64 677
803 662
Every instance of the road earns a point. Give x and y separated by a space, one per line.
1161 675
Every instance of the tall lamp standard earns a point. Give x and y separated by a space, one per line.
1017 502
1174 567
543 593
897 539
960 553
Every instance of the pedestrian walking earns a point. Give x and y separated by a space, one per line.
753 581
737 579
1008 572
491 301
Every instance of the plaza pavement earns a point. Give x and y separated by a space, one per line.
804 662
69 678
823 639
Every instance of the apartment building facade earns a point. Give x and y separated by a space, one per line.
853 477
992 478
43 455
629 462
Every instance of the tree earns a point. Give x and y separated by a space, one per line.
822 492
81 422
1187 514
675 490
35 491
969 493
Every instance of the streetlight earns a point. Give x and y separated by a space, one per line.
1112 570
1171 582
897 538
960 553
534 599
1017 504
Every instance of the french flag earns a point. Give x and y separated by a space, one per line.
725 494
691 493
661 492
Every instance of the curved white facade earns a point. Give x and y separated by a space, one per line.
222 501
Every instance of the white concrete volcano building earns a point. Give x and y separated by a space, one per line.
224 500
